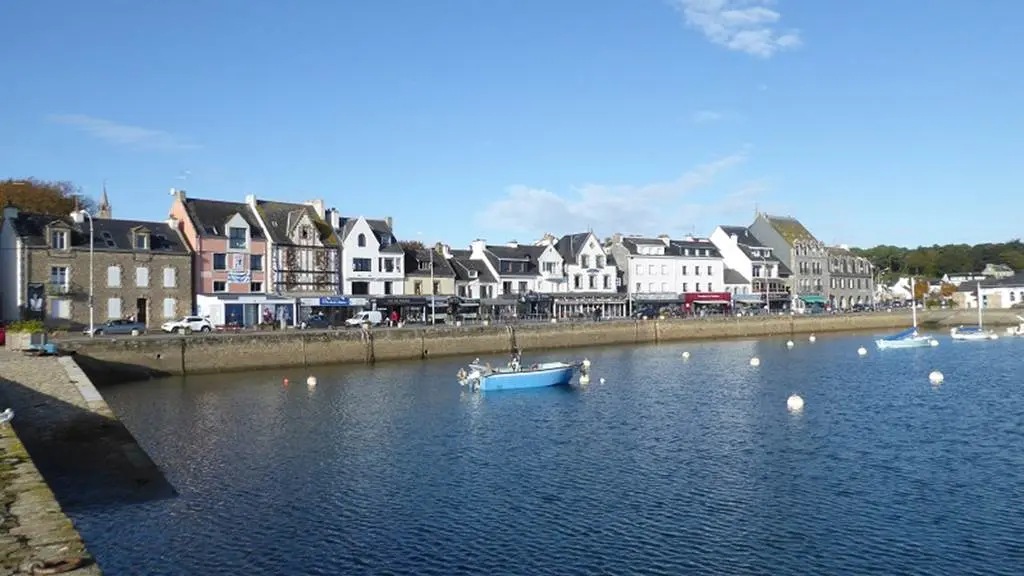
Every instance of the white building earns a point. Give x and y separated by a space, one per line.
372 261
580 277
662 270
514 266
1006 292
752 261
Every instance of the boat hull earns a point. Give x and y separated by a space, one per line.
914 342
972 335
545 375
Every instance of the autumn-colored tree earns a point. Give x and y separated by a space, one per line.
43 197
411 245
947 290
920 289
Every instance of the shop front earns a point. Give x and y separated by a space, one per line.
235 311
336 309
593 305
702 303
657 304
811 303
410 309
748 302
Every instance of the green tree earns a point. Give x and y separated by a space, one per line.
44 197
935 261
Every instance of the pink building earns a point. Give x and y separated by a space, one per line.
230 261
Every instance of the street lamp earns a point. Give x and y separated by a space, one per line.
79 216
433 294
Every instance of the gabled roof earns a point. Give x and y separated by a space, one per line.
673 248
789 228
462 264
380 229
210 217
522 253
734 277
570 245
109 235
413 258
1015 281
282 218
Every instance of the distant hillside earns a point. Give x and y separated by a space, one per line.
934 261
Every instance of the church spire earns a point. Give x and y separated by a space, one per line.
104 210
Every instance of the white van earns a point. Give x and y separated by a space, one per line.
371 317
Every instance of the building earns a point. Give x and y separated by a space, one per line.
851 279
372 260
229 250
665 272
580 277
473 278
428 272
1004 292
304 256
139 269
803 254
753 273
516 270
998 271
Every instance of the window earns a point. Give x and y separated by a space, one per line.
437 287
387 288
696 287
550 267
142 241
600 261
664 269
389 265
417 288
255 262
639 269
362 265
593 282
638 288
650 270
237 238
506 287
304 233
664 287
577 282
59 239
652 288
141 277
170 308
361 241
686 287
710 272
113 308
255 286
696 270
60 308
220 262
113 276
607 282
220 286
59 278
170 277
522 287
360 288
585 261
684 270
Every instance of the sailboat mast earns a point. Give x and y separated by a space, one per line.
979 305
913 300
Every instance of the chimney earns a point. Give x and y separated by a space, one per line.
250 199
617 238
665 238
173 222
735 239
10 211
478 246
389 222
512 244
179 195
445 250
318 206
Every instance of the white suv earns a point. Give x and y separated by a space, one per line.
188 324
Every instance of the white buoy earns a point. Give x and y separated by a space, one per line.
311 381
585 379
936 377
812 338
601 380
862 351
789 344
755 361
586 364
794 403
934 342
686 355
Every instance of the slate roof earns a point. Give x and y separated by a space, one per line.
674 247
570 245
109 235
380 229
522 253
462 264
413 258
734 277
747 243
282 217
1015 281
210 217
790 228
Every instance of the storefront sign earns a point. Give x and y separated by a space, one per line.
334 301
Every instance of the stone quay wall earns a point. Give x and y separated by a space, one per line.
123 358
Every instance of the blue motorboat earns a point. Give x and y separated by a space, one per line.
516 377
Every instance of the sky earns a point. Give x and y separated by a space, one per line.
872 122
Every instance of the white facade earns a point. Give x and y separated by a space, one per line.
587 272
513 274
12 269
661 266
553 278
363 264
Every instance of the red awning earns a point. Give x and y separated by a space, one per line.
707 297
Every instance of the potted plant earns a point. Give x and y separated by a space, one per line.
25 334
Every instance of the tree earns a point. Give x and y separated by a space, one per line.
936 261
947 290
44 197
920 289
411 245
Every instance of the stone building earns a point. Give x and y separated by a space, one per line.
801 252
140 270
851 280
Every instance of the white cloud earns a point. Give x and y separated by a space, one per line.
747 26
123 134
702 116
663 207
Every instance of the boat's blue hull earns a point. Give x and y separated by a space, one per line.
561 376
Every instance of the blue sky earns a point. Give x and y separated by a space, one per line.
873 122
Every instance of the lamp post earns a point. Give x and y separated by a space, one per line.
79 216
433 315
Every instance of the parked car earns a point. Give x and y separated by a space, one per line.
113 327
371 317
188 324
317 322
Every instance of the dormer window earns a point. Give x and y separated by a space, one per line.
59 239
473 274
361 241
238 238
142 241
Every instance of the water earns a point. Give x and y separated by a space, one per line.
670 467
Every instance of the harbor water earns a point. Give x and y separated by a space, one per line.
668 466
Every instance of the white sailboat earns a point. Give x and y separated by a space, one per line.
909 338
970 333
